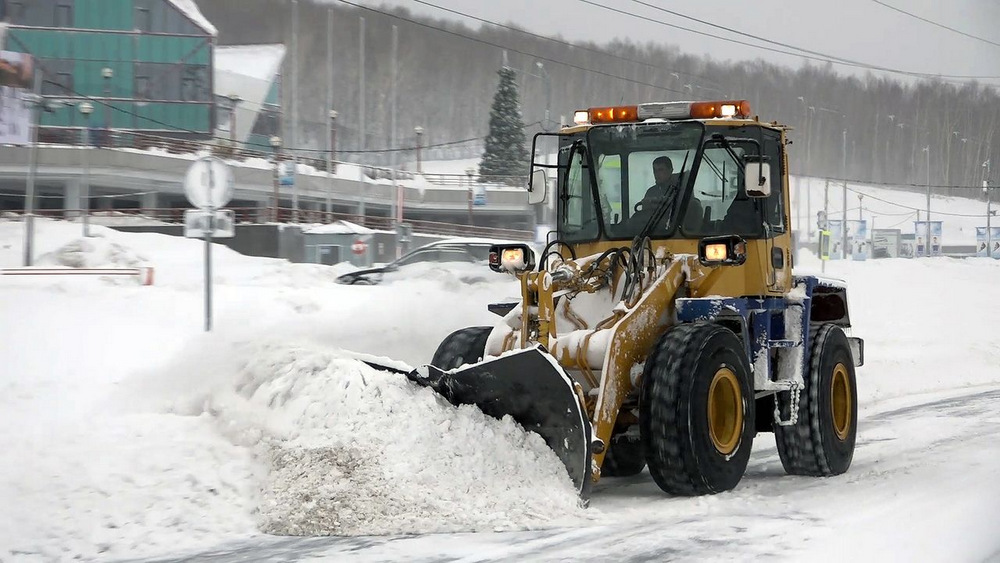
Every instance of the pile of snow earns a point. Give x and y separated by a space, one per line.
92 252
350 450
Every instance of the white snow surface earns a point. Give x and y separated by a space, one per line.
190 9
261 62
131 433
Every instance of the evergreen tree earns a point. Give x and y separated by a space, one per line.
505 153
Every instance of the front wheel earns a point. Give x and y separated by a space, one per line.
697 410
821 443
464 346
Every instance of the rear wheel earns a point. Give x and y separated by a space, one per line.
464 346
697 410
822 442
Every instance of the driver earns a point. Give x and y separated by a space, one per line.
666 187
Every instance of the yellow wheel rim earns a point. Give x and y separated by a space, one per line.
840 401
725 411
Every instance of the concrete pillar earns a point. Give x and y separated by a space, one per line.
71 198
149 200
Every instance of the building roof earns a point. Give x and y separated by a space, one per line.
247 71
261 62
190 9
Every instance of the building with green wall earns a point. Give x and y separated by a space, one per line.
145 65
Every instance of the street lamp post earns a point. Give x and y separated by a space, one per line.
234 100
108 73
469 172
419 132
276 147
548 95
86 108
329 162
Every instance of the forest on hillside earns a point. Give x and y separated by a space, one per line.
869 128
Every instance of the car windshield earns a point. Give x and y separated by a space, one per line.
642 172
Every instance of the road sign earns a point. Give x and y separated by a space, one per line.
209 183
199 223
359 247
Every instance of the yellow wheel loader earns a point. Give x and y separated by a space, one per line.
662 326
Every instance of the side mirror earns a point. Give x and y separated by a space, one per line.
537 186
757 179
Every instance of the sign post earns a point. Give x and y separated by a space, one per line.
208 185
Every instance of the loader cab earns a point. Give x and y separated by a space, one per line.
604 178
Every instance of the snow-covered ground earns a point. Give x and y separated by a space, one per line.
130 433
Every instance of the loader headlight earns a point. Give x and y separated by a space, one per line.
511 258
722 251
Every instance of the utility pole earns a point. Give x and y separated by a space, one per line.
38 105
108 73
468 173
397 206
419 132
826 216
332 114
361 123
295 106
986 188
86 108
330 166
361 90
548 95
927 241
843 231
276 147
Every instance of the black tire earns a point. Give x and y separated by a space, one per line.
464 346
822 442
624 457
687 453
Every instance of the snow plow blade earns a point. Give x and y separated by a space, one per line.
531 387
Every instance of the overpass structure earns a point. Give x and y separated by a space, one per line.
151 180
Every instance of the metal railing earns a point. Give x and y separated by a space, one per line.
263 215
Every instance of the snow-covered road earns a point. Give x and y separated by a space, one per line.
922 488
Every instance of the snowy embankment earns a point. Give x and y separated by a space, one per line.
131 433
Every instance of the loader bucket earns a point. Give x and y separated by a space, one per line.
531 387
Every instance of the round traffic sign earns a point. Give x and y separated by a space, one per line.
359 247
209 183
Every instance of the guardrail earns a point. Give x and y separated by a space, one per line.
145 274
261 215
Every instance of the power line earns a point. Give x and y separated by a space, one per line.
934 23
812 55
252 144
518 51
561 42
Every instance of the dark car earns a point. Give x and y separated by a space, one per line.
473 253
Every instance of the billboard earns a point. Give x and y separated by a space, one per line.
993 242
886 243
835 228
857 239
920 228
16 77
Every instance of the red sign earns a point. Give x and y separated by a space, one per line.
359 247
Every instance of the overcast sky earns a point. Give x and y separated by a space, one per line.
861 30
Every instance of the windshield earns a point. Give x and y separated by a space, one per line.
641 171
654 174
